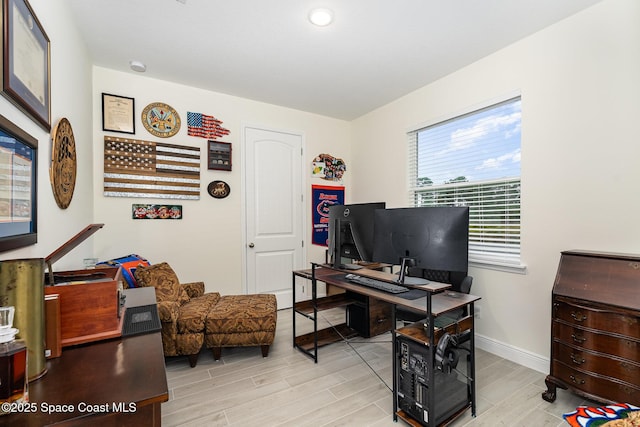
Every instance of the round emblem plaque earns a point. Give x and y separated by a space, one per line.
63 163
160 120
218 189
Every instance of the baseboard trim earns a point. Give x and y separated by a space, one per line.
515 354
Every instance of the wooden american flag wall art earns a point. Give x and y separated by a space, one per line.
137 168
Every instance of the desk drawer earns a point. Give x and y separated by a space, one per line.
609 388
624 348
597 363
606 319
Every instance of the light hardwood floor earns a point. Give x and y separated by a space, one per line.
289 389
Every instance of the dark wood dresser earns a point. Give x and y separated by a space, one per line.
595 327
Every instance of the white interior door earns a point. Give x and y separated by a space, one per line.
274 215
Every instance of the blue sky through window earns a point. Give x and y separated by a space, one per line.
481 146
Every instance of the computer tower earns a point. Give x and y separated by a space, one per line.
414 368
368 316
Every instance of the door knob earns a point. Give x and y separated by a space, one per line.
251 245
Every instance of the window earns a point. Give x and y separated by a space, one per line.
474 160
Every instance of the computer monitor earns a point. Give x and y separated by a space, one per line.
434 238
351 232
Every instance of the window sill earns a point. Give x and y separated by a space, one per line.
507 268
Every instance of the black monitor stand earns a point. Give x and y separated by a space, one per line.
403 279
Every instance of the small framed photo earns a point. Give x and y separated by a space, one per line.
118 114
26 65
219 156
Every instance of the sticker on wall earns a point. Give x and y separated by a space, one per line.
156 211
327 167
204 126
322 198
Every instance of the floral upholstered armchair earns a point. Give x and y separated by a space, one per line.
183 309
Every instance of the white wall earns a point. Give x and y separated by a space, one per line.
207 244
580 109
70 98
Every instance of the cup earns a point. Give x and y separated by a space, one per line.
6 317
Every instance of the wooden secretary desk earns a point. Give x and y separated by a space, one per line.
119 382
595 327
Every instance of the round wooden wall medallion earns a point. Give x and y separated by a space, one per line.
160 120
63 163
218 189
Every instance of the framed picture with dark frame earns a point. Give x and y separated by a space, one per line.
118 113
26 65
219 155
18 187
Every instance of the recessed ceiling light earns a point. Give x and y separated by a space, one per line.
321 17
138 66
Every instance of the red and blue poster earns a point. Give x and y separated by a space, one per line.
322 197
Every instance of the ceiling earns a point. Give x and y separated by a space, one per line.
266 50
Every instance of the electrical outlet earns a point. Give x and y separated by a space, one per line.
477 310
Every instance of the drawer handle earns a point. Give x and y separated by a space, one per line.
577 359
578 339
628 390
575 380
578 317
628 367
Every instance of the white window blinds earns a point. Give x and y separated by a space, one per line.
474 160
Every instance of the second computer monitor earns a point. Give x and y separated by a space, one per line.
434 238
351 231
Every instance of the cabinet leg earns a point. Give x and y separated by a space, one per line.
550 394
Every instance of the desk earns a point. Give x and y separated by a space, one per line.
125 375
437 302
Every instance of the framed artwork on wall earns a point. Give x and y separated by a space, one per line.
18 174
118 113
26 65
219 156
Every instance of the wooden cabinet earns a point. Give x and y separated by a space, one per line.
595 327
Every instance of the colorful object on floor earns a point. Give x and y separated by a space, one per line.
205 126
129 265
619 415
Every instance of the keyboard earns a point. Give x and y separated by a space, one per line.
376 284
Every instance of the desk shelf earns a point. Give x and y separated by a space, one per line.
417 330
326 336
310 342
308 307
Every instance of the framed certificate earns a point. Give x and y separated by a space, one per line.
26 68
118 113
18 179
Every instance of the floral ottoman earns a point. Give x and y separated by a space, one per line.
241 321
